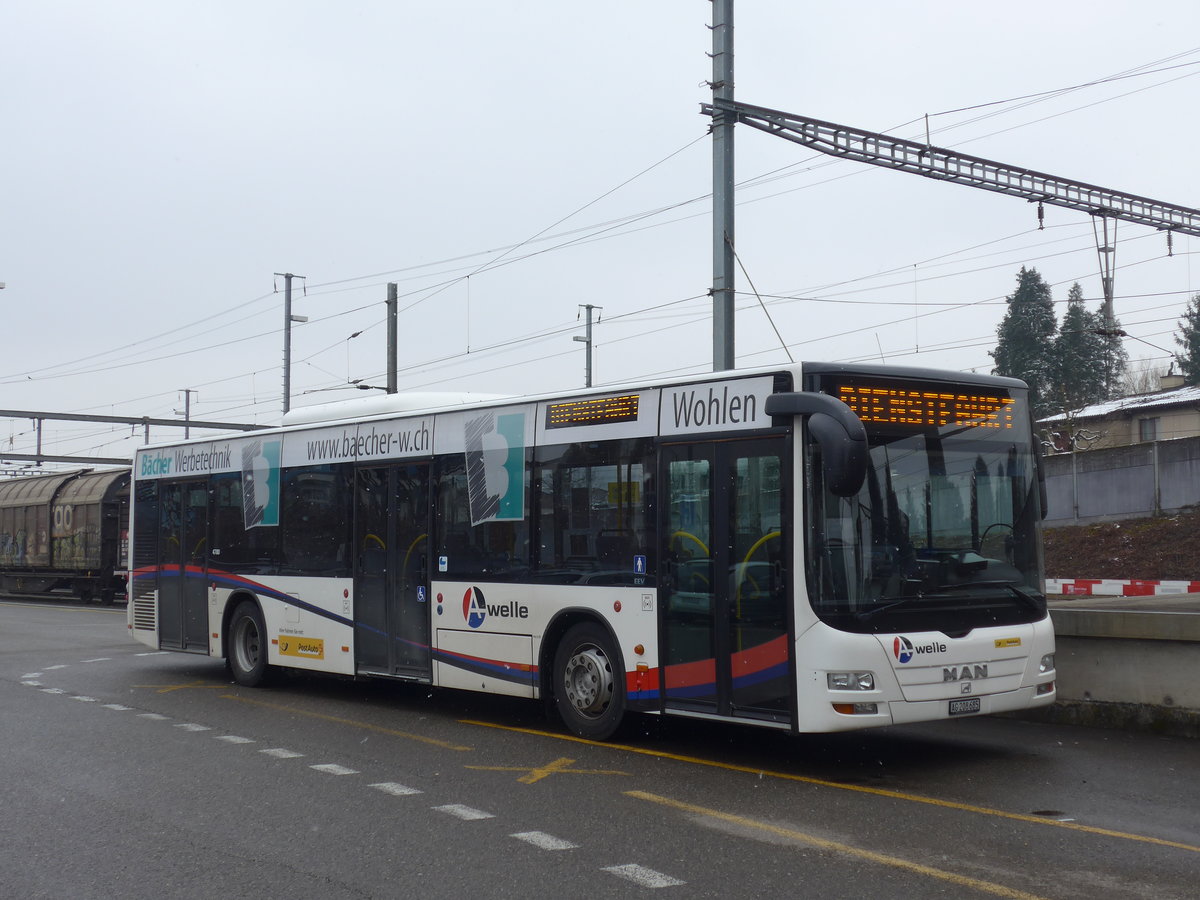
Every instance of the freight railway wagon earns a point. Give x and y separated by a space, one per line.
67 531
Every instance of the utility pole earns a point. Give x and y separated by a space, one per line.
722 132
587 339
288 319
1106 251
391 338
187 411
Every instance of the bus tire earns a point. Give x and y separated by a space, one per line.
247 650
589 682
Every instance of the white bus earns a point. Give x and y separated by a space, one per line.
814 548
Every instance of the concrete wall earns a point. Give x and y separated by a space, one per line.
1128 662
1110 670
1122 482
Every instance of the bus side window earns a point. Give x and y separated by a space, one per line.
490 551
234 547
595 511
316 519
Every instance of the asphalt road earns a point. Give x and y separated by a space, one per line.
138 774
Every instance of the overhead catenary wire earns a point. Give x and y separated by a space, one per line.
316 354
505 252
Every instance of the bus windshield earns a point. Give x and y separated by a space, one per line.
945 532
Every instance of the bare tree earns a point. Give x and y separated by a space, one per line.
1142 376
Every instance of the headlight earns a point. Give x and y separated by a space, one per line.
1047 664
850 681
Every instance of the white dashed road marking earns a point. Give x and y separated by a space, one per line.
466 813
334 769
643 876
396 790
544 841
639 875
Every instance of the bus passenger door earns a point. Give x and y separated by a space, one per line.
391 591
182 566
724 596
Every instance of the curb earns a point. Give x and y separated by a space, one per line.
1161 720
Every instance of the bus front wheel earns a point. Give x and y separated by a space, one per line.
247 656
589 689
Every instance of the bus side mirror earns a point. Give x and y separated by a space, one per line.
837 430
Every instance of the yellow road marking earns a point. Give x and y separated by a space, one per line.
167 688
879 792
559 766
896 862
351 722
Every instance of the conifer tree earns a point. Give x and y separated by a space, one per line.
1080 357
1115 358
1025 340
1189 339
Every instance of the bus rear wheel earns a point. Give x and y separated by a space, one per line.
247 651
589 689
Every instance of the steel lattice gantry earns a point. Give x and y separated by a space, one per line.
947 165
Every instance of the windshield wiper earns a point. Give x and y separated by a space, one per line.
1026 598
893 603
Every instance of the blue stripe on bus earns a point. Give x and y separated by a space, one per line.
509 672
230 580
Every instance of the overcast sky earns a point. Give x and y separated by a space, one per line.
506 162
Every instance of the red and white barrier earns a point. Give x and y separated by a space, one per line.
1111 587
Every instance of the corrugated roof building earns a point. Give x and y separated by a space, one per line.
1158 416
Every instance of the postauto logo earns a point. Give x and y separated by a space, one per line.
476 609
904 650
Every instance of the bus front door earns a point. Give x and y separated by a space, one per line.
182 566
724 595
391 588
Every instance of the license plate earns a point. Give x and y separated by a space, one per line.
962 707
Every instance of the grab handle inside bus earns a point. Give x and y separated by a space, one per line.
837 430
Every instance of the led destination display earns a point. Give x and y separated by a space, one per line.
600 411
906 404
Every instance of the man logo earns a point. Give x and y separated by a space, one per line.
972 672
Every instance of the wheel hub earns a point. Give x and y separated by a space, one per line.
246 644
588 681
